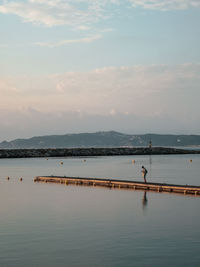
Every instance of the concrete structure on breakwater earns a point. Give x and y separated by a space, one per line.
90 152
121 184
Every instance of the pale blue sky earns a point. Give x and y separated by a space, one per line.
106 59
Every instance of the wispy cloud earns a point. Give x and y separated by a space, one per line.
139 97
165 5
88 39
3 45
81 14
76 13
135 89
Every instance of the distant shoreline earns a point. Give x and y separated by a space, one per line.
102 139
90 152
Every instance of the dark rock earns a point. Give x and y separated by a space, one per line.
88 152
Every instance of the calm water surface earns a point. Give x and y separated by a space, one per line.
58 225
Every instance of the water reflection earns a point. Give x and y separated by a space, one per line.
150 160
144 200
150 165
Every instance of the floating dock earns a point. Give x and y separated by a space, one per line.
121 184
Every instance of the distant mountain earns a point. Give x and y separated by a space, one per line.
101 139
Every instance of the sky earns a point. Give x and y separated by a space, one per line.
71 66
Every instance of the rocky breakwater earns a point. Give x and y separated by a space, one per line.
89 152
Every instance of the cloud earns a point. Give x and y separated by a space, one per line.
88 39
7 87
83 28
3 45
82 14
165 5
109 90
159 98
74 13
135 89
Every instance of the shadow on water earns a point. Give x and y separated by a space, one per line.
144 201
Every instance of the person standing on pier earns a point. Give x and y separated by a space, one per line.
144 173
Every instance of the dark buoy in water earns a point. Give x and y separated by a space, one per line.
190 160
21 179
8 178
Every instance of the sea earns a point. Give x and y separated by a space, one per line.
46 224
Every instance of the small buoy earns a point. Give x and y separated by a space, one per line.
84 160
8 178
190 160
133 161
21 179
61 162
46 159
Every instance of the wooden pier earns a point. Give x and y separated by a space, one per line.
121 184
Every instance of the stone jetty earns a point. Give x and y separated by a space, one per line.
91 152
